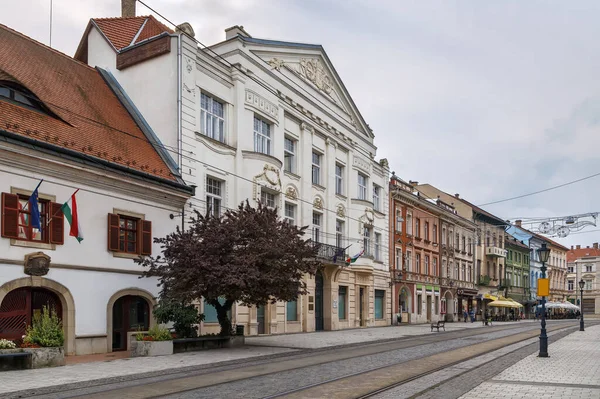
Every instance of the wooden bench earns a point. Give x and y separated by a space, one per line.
438 325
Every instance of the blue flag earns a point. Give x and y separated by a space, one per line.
34 209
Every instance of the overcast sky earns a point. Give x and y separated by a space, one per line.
483 98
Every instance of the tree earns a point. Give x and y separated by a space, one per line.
183 316
249 255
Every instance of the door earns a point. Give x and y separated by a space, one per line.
589 306
361 306
319 302
260 318
428 308
130 313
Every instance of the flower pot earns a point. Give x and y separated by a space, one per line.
151 348
46 357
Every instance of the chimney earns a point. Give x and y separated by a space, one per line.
235 31
571 247
588 247
457 195
128 8
578 247
518 222
413 183
595 245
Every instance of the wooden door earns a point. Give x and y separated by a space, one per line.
319 322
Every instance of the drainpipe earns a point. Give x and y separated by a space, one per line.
179 130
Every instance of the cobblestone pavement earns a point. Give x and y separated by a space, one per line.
571 371
273 384
324 339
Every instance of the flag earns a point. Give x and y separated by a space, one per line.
34 209
355 257
72 217
339 252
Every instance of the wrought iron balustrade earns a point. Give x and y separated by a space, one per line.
329 252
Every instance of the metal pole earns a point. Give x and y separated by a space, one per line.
543 335
581 325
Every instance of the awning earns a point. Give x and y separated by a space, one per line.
490 297
502 304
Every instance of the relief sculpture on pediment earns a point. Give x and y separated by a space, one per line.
313 70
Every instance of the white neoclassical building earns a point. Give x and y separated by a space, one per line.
266 121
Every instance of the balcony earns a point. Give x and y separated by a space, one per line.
328 252
402 275
450 282
495 252
485 280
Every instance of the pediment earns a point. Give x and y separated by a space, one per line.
314 72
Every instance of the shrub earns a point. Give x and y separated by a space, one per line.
156 333
45 331
6 344
184 317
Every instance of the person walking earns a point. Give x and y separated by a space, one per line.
465 315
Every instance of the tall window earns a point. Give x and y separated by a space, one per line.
316 168
267 198
339 233
262 136
289 154
419 304
444 238
379 304
418 263
435 233
339 179
398 258
464 243
588 285
377 246
588 268
367 240
457 241
342 294
399 220
290 213
26 231
291 311
409 224
434 270
317 226
464 272
128 234
417 227
212 118
570 285
362 186
376 197
426 264
470 246
427 230
408 261
213 196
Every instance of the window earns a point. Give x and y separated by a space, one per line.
290 213
212 119
289 155
377 246
267 198
291 311
379 301
409 226
418 228
398 258
210 313
444 238
399 220
470 246
317 227
570 285
339 233
376 197
588 268
213 196
427 231
437 305
129 235
434 238
342 294
316 168
419 304
418 263
262 136
435 267
426 264
18 95
408 260
362 187
367 241
339 179
464 243
26 231
571 269
457 241
464 272
588 285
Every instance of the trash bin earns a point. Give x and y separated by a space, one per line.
239 329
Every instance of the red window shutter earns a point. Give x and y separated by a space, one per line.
10 215
113 232
146 238
57 224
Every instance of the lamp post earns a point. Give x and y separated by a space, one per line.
544 253
581 285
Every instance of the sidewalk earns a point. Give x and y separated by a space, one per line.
571 371
256 347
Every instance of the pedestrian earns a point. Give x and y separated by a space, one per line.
486 317
465 315
472 316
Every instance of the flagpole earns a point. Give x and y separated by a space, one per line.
38 186
60 210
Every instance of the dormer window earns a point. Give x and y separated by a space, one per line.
19 95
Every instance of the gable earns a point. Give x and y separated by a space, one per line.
309 67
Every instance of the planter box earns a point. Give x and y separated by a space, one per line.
31 358
204 343
151 348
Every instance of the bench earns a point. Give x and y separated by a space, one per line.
15 361
438 325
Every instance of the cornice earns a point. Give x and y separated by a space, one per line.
262 157
215 146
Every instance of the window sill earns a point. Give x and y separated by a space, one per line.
359 201
124 255
291 175
262 157
341 197
223 148
32 244
378 212
427 242
292 322
318 187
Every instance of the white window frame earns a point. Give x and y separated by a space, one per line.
290 218
378 246
339 233
408 261
339 179
362 186
376 197
434 266
399 220
317 222
266 197
570 285
208 114
409 224
262 136
427 265
367 240
289 154
399 258
214 195
316 159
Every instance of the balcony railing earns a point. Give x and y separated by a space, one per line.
330 253
450 282
402 275
495 252
484 280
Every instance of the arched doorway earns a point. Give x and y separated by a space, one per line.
404 305
449 306
20 306
319 322
130 313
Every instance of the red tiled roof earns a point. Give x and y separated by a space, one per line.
91 119
121 32
574 254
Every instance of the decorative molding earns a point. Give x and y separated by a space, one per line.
269 178
259 102
277 63
214 145
262 157
318 203
192 91
341 211
76 267
361 163
291 193
312 70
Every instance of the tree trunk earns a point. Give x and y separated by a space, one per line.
223 318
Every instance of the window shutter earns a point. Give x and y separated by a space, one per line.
10 215
57 224
113 232
146 237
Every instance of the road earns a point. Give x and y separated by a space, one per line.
418 366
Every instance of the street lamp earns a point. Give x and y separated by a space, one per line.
581 285
544 253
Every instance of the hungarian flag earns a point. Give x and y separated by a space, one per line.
355 257
72 217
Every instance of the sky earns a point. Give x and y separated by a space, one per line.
487 99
